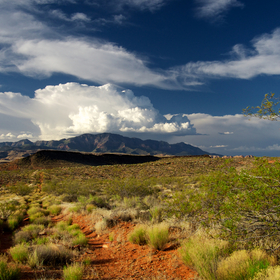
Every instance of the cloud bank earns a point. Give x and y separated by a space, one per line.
233 135
71 109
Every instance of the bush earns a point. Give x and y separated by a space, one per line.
138 236
19 253
158 236
33 260
203 255
8 272
55 209
33 230
22 237
243 265
73 272
13 223
42 221
34 210
53 254
80 240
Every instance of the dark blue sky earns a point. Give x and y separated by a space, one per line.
202 59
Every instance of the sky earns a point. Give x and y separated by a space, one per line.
171 70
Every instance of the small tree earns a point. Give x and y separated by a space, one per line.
267 110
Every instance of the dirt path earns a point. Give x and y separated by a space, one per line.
119 259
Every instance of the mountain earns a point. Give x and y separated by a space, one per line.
102 143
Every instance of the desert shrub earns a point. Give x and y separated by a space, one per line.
203 255
13 223
80 240
132 202
22 189
156 214
242 265
7 208
99 202
128 188
271 273
151 201
138 235
75 209
90 207
19 253
73 227
42 221
33 217
8 272
158 236
55 209
33 260
22 237
62 225
33 230
34 210
53 254
73 272
41 240
104 224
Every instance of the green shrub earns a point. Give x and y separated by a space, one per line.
22 189
8 272
34 210
55 209
33 230
19 253
73 272
138 236
42 221
158 236
203 255
80 240
62 225
41 240
13 223
90 207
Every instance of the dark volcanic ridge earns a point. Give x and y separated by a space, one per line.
98 143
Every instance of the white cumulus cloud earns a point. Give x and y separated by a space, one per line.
262 59
72 109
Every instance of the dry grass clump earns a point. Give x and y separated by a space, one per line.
19 253
243 264
8 271
73 272
158 236
271 273
53 254
138 235
203 255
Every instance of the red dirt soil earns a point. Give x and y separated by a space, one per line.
117 259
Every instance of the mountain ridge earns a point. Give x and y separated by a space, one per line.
104 143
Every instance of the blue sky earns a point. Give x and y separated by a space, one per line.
172 70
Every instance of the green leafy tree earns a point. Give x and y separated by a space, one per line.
267 110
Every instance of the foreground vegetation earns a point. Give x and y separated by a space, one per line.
227 210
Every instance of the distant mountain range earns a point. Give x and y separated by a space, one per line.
99 143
